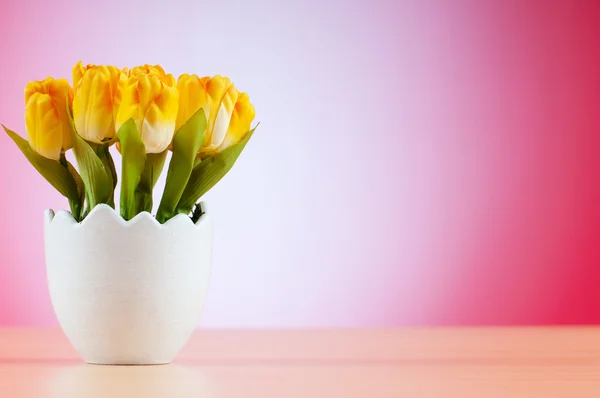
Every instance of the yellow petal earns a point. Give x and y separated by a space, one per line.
151 99
158 127
32 88
118 83
149 87
223 117
192 97
78 71
44 127
93 106
61 95
97 96
241 119
146 70
216 88
129 107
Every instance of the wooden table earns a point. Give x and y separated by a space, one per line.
444 362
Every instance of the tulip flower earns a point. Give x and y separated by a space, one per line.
150 98
97 95
229 112
236 121
204 121
147 70
193 96
46 116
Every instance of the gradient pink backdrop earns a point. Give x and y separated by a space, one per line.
418 162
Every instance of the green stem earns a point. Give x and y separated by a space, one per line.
133 160
103 151
75 204
152 170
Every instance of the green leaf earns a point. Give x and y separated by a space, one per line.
186 144
133 153
209 172
54 172
93 173
143 193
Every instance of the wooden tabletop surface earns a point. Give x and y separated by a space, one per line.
442 362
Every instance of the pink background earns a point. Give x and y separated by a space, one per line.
418 162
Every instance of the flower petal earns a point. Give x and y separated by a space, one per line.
44 127
216 88
93 106
78 72
61 95
241 119
224 117
192 97
158 126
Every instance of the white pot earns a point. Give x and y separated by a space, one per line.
127 292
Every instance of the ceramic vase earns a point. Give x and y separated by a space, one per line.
127 292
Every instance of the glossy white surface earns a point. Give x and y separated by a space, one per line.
127 292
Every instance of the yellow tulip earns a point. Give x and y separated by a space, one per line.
97 95
147 69
242 115
229 112
150 97
192 97
46 117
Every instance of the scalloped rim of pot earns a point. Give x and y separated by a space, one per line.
103 210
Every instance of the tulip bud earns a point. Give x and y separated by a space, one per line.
151 99
241 117
192 97
229 112
97 96
147 70
46 117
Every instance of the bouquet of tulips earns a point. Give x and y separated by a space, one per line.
203 121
